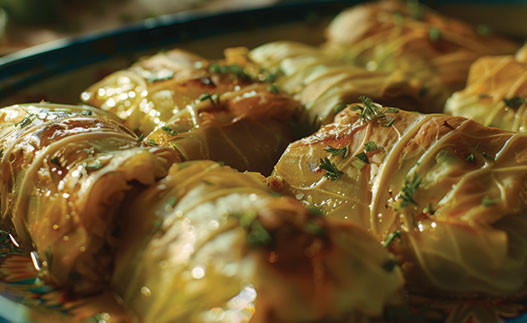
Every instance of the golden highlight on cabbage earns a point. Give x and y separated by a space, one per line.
445 194
432 51
208 243
65 170
496 92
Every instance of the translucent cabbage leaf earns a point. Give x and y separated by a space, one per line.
496 92
325 84
451 186
432 51
65 170
208 243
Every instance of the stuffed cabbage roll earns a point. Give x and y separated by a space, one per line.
432 51
65 170
453 190
210 244
225 111
325 84
496 92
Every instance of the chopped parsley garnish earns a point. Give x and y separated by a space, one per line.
25 122
168 130
273 88
429 209
257 235
270 75
152 142
370 146
337 151
434 34
332 172
362 156
489 157
371 111
316 211
86 113
161 77
56 161
213 98
314 228
485 201
391 237
470 158
236 70
171 202
390 265
339 107
97 165
140 138
514 103
409 188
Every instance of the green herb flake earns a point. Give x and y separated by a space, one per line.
273 89
87 112
95 166
470 158
514 102
434 34
485 201
168 130
339 107
391 237
221 162
55 160
315 211
489 157
409 188
371 111
236 70
332 172
140 138
314 228
258 236
370 146
25 122
362 156
390 265
213 98
153 142
337 151
171 202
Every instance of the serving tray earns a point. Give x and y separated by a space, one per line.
60 71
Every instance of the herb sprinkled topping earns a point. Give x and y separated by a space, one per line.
140 138
236 70
25 122
171 202
390 265
337 151
257 235
409 188
339 107
362 156
485 201
514 103
391 237
370 146
152 142
489 157
371 111
332 172
55 160
470 158
168 130
434 34
273 88
95 166
87 112
213 98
